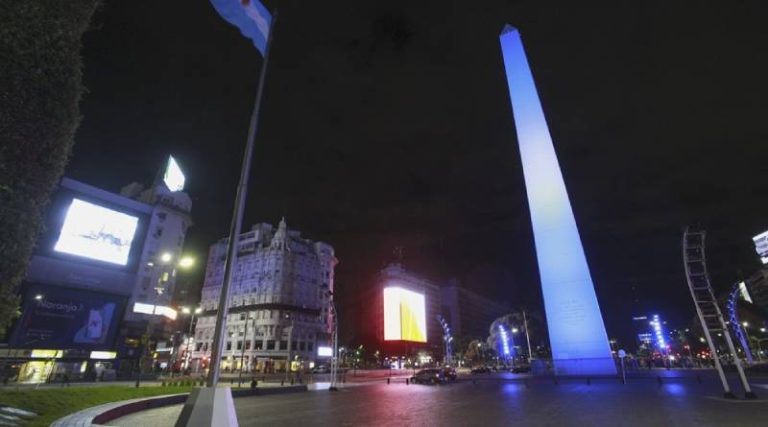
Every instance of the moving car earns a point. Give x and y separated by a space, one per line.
428 376
480 370
449 373
321 369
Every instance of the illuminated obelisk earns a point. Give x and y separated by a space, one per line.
576 330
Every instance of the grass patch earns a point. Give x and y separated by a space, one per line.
53 403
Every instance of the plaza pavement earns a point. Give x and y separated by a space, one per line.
499 399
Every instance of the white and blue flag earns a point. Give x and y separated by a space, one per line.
250 16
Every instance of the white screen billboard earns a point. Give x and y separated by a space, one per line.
404 315
174 178
95 232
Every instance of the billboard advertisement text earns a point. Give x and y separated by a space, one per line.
64 318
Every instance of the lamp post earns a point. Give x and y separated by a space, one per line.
242 348
166 260
193 312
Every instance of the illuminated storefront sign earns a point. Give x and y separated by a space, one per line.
103 355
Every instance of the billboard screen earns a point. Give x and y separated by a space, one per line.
63 318
761 246
174 178
404 315
96 232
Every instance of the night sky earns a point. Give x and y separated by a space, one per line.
388 124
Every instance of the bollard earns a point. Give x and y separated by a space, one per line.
659 380
387 380
254 383
291 381
406 381
589 381
282 382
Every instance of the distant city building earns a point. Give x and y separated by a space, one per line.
398 314
468 313
757 286
279 301
99 256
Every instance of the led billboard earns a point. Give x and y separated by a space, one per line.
54 317
174 178
404 315
96 232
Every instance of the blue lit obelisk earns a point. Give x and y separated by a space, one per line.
576 330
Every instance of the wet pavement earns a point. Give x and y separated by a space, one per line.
492 401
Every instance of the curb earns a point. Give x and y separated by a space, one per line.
103 414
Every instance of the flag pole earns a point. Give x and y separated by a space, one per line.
237 220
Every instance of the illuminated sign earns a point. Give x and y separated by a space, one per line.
56 317
103 355
576 329
46 354
96 232
761 246
658 332
745 293
324 351
160 310
173 178
504 340
404 315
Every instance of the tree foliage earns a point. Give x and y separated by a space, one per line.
40 88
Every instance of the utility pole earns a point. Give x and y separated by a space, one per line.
527 337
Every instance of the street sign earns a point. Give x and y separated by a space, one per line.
622 354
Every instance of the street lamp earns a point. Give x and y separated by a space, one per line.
165 259
186 262
193 312
39 297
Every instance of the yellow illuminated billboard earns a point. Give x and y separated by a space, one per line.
404 315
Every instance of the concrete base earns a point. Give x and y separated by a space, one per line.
209 406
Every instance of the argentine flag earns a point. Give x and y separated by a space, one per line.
250 16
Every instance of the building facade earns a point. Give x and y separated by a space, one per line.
98 256
469 314
279 301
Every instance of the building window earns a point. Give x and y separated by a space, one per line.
258 345
270 344
229 345
283 345
239 345
198 346
302 346
309 346
294 345
247 345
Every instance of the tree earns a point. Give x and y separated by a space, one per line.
40 89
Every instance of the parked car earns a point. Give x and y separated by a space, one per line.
428 376
519 369
449 373
480 370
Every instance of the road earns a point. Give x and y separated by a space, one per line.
492 401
